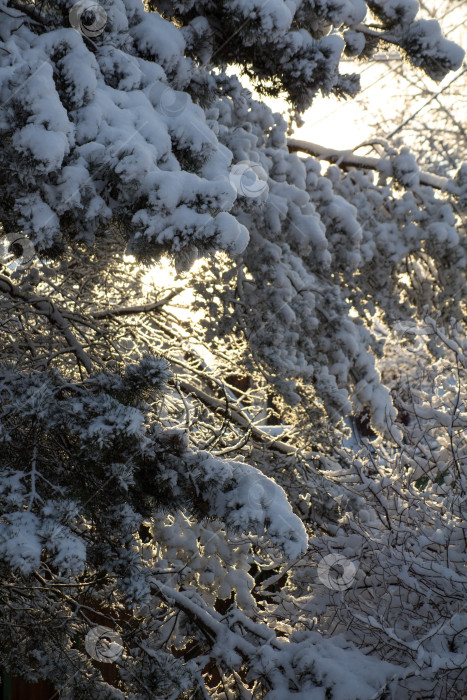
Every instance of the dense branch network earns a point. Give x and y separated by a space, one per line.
188 486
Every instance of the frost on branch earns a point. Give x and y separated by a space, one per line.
406 535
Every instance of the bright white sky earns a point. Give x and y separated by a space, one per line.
336 123
344 124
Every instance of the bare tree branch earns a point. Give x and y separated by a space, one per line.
46 307
141 309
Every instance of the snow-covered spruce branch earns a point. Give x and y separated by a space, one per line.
348 159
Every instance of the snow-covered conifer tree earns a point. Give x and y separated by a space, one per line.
155 534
